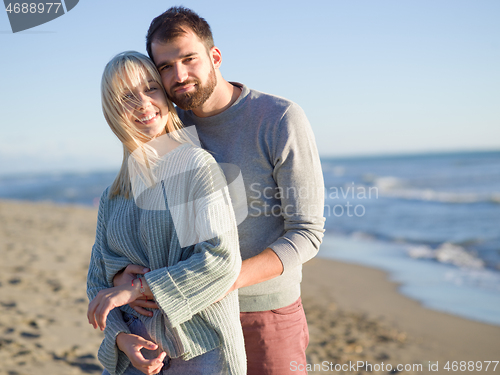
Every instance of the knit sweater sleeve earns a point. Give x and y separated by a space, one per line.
297 172
113 359
191 285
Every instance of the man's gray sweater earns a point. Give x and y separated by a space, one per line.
270 139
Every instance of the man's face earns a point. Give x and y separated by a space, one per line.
186 69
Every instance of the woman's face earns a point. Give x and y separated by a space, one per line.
146 108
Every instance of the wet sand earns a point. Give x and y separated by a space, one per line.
354 313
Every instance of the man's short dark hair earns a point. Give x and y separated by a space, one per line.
175 22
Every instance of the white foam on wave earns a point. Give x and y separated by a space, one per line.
472 293
388 183
447 253
394 187
485 279
362 236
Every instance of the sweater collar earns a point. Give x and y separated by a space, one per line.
222 117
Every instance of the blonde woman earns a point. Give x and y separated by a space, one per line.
168 211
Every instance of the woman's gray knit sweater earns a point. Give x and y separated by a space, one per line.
185 280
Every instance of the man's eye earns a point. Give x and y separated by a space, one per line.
165 67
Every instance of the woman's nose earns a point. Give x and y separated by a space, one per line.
142 101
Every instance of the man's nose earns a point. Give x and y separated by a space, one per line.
180 73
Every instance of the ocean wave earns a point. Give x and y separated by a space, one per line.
394 187
471 271
447 253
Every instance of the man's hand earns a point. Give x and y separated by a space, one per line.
128 274
131 345
257 269
125 277
233 287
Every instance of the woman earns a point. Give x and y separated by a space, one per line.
168 210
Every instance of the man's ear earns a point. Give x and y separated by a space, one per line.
216 57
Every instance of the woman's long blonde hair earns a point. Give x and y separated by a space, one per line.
125 71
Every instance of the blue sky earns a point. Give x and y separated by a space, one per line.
373 76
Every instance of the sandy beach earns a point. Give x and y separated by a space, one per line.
354 313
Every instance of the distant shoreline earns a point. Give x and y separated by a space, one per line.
371 156
409 154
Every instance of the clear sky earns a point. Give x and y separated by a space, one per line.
373 76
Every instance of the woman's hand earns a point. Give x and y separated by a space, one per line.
131 345
125 277
107 299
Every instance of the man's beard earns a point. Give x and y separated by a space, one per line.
192 100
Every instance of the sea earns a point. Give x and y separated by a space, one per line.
431 221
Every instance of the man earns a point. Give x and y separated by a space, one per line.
271 141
